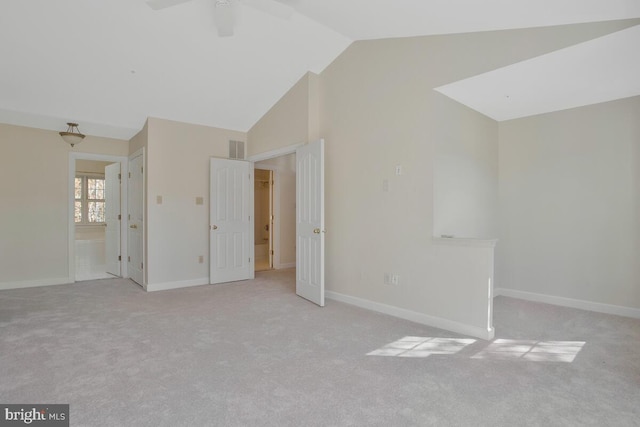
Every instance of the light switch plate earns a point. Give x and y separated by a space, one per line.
199 200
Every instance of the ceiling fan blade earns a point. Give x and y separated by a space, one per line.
272 7
163 4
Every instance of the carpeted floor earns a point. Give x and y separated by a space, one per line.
254 354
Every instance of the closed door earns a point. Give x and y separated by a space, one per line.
135 235
310 222
231 235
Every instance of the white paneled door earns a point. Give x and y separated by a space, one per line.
112 218
310 222
135 235
231 247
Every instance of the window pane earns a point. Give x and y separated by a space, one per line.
78 212
78 188
96 188
96 211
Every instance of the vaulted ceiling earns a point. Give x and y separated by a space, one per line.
111 64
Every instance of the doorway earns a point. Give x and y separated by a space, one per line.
263 223
300 224
282 230
95 212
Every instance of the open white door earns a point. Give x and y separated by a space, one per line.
231 245
310 222
112 218
135 235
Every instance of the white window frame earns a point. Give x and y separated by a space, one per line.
84 201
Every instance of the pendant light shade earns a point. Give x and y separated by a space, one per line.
72 136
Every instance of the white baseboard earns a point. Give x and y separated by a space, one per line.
152 287
36 283
424 319
618 310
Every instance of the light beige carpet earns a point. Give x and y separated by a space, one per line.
254 354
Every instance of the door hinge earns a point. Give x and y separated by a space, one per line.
249 260
129 174
129 216
141 169
119 257
119 216
141 266
129 258
119 176
271 251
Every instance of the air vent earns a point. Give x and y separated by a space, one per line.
236 150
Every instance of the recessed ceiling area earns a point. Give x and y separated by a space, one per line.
599 70
109 65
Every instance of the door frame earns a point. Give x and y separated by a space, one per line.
124 169
272 154
275 210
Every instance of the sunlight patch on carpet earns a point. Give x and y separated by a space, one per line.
531 350
422 347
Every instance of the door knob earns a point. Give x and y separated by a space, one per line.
133 226
214 227
316 231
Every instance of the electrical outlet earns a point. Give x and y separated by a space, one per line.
395 279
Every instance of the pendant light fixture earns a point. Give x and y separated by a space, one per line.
72 136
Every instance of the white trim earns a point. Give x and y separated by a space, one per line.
124 170
36 283
424 319
176 285
290 149
617 310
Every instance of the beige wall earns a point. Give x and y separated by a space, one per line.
140 140
91 166
178 171
292 120
570 204
34 216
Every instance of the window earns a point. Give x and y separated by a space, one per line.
89 204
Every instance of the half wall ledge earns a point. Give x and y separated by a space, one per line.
464 267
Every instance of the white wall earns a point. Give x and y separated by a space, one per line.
570 204
34 215
178 170
465 175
